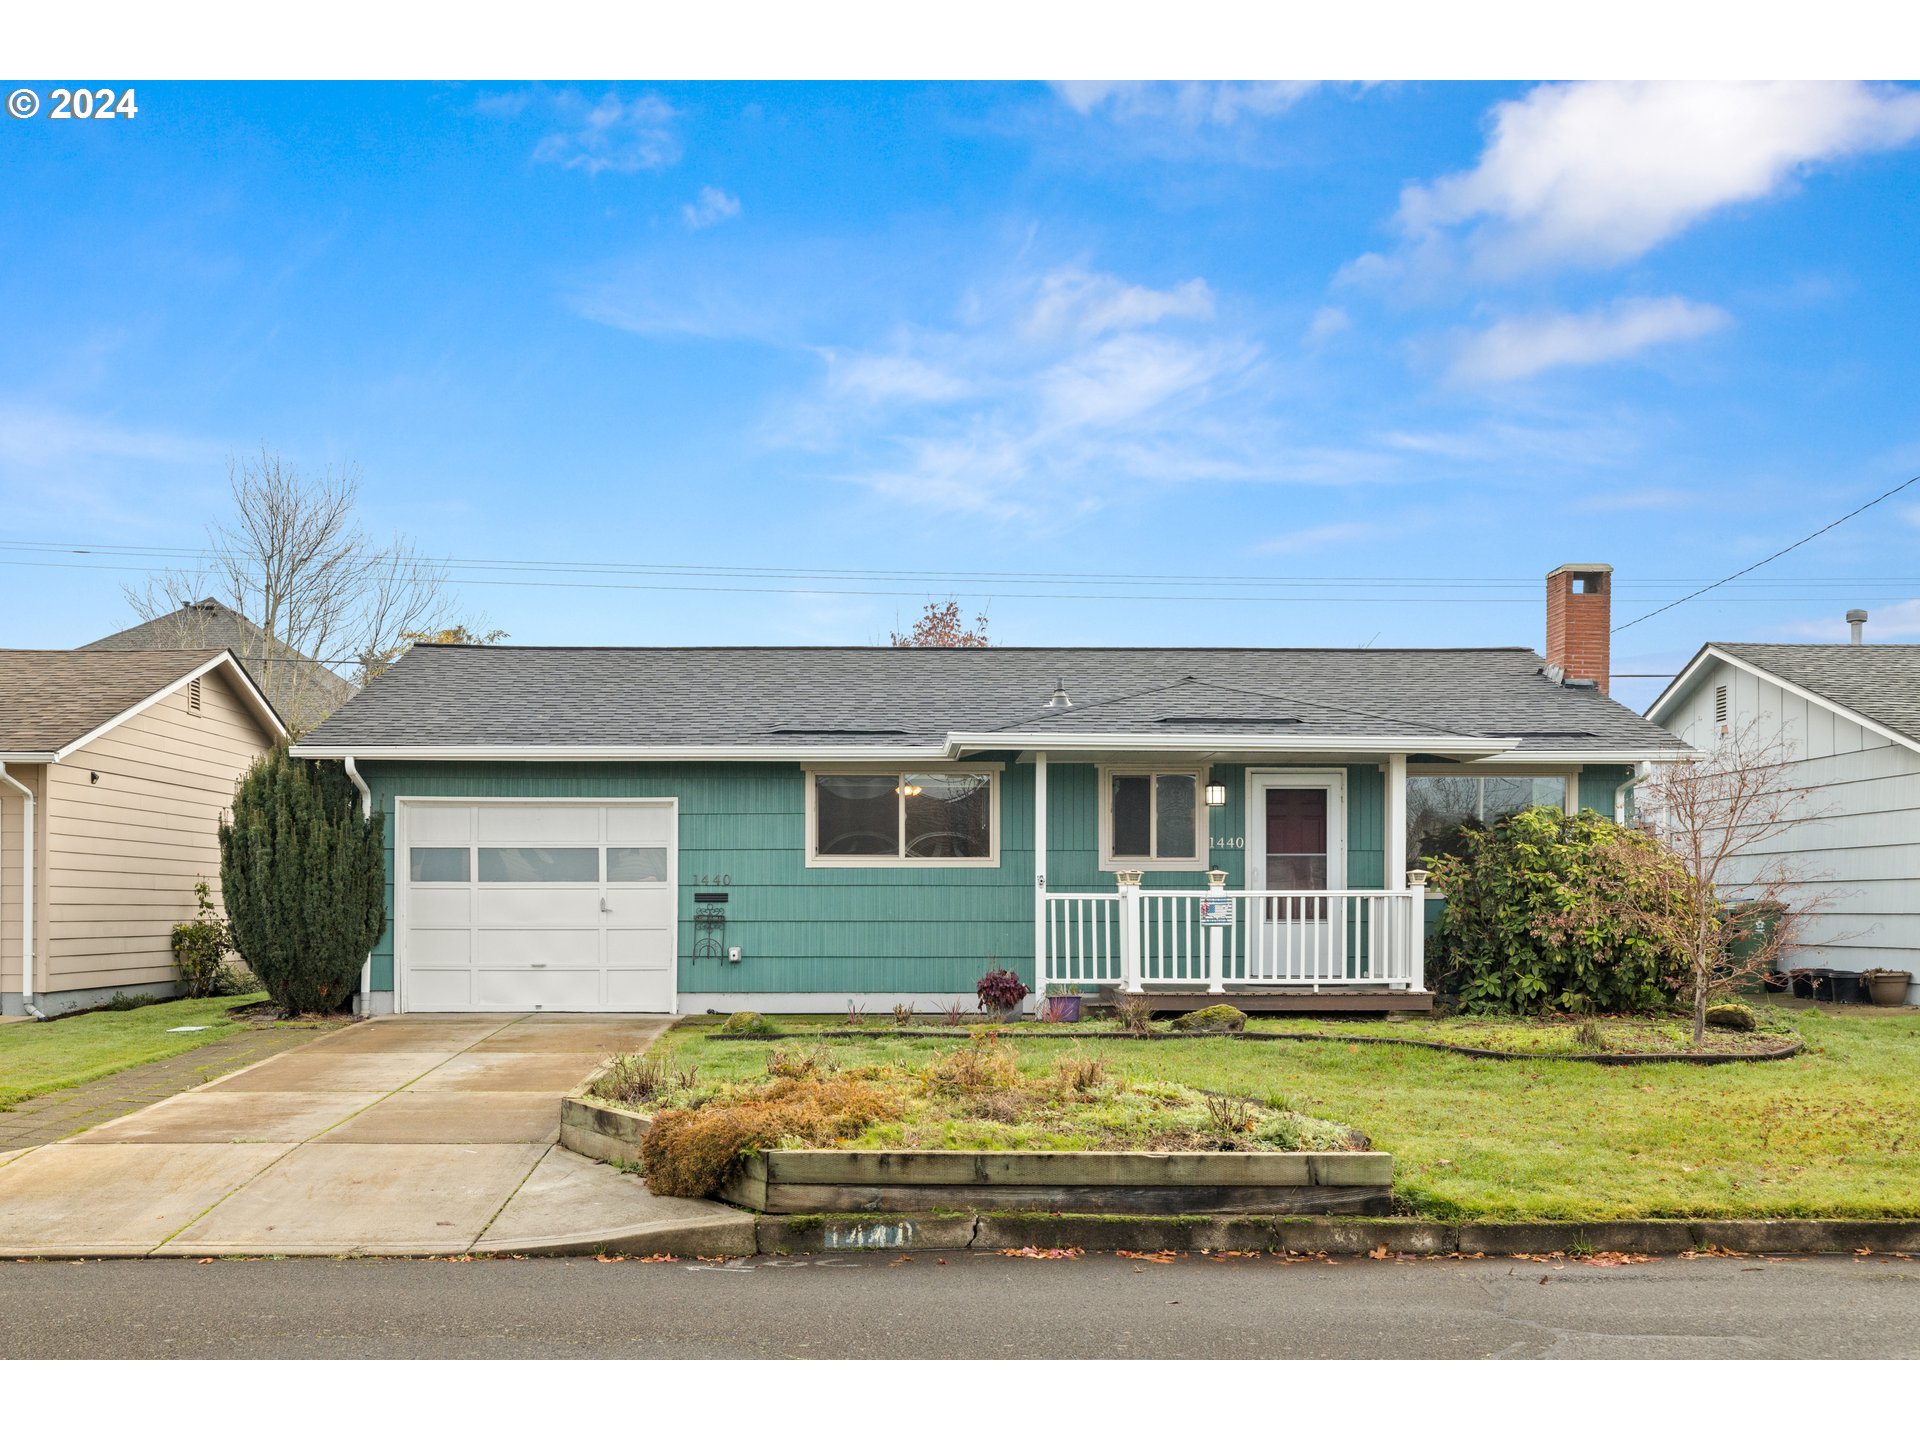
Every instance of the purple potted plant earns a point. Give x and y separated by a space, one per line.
1000 992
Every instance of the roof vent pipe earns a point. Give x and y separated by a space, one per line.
1857 623
1059 700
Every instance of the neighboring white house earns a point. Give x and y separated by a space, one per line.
1851 717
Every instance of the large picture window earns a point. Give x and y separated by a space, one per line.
903 817
1151 820
1440 807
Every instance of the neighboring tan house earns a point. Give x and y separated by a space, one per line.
788 829
115 768
303 690
1850 717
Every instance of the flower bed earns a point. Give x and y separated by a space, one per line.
969 1128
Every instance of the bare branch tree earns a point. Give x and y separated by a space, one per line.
1722 814
294 560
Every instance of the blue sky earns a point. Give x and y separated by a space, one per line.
1083 337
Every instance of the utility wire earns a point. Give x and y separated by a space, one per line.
1914 480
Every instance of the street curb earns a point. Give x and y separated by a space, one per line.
785 1234
729 1236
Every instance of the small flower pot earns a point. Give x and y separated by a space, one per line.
1889 987
1843 988
1776 982
1064 1008
1803 983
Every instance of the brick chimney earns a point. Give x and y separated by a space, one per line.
1579 624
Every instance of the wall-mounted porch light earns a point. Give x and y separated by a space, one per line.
1216 796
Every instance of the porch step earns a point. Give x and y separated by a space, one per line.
1353 1000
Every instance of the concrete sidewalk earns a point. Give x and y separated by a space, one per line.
414 1135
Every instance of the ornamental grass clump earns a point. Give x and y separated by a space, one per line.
980 1066
693 1152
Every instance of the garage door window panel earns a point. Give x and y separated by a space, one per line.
539 865
439 864
636 864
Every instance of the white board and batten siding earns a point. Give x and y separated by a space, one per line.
131 823
1860 855
517 906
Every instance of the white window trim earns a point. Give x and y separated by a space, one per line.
897 861
1202 841
1334 782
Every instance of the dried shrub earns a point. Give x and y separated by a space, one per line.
979 1066
903 1016
632 1080
692 1153
954 1014
856 1016
1230 1115
1134 1014
785 1064
1587 1036
1079 1074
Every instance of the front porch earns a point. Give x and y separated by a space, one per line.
1275 897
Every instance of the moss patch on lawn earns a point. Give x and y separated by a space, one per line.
37 1057
1832 1132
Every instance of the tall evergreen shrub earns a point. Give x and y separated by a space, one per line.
303 877
1540 913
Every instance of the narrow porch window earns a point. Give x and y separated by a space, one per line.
1152 820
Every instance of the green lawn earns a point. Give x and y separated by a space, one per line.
36 1058
1833 1132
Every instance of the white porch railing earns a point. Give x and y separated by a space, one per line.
1243 939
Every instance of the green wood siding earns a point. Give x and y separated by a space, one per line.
1597 784
880 929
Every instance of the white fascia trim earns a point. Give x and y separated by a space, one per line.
1714 652
256 702
28 757
1140 744
1560 758
795 753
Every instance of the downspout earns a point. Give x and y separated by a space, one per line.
366 809
26 896
1642 771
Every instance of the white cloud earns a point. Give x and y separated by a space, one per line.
1316 537
624 136
1328 321
1898 621
1600 172
1516 348
710 207
1053 392
39 436
1074 302
1189 103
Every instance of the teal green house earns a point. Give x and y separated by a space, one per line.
796 829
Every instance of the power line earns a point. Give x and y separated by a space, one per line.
1771 558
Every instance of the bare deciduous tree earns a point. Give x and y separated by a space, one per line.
294 560
940 627
1721 813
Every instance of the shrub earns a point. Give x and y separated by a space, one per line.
692 1153
303 874
1079 1074
1229 1114
785 1064
1134 1014
1505 940
1218 1018
1730 1016
200 947
982 1064
748 1022
954 1014
903 1015
120 1000
632 1080
1000 991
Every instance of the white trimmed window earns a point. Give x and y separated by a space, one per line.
866 817
1152 819
1439 807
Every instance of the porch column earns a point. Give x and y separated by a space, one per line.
1039 878
1396 820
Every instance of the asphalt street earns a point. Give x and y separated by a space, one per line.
962 1306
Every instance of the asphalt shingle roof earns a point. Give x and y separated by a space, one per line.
1881 682
50 698
519 696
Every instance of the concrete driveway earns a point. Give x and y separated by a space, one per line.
413 1135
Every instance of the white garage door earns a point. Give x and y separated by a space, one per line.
537 906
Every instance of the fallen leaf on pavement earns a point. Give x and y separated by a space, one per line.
1157 1257
1034 1252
